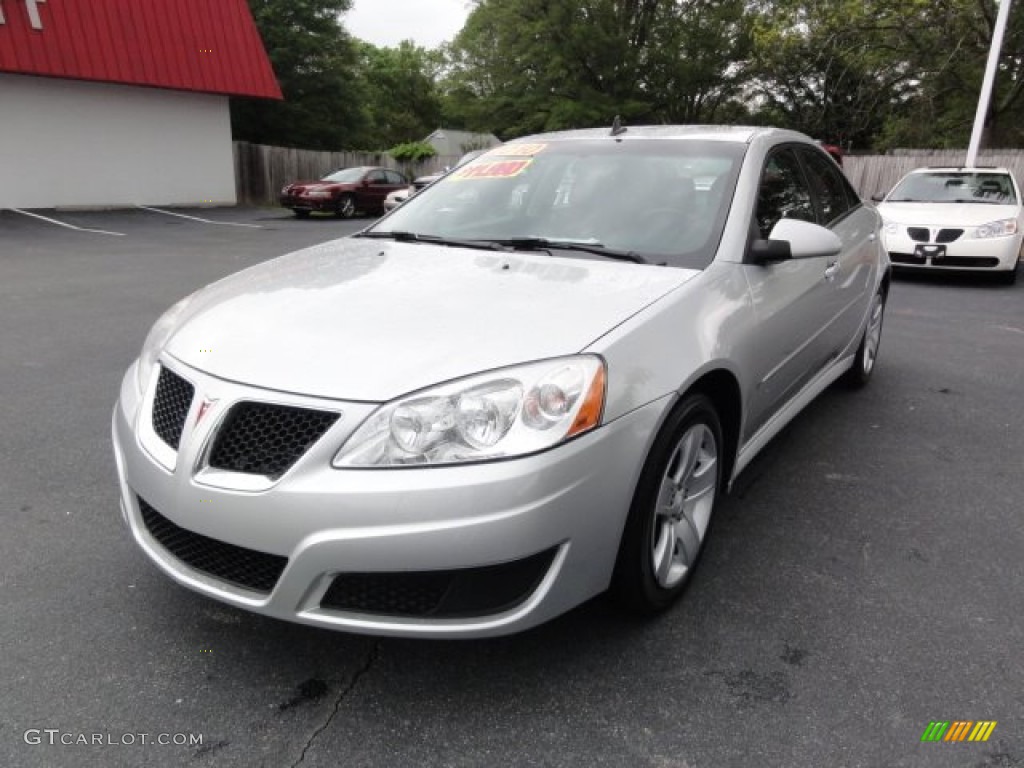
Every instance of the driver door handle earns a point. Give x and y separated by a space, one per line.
831 271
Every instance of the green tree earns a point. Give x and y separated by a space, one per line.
316 63
520 66
401 94
882 73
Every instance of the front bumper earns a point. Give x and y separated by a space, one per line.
973 254
302 203
568 504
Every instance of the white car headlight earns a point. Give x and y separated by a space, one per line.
497 415
156 339
1000 228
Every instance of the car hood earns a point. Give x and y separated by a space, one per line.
946 214
357 319
308 186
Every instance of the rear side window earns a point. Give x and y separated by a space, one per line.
783 192
828 186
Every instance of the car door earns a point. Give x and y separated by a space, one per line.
851 273
792 299
375 190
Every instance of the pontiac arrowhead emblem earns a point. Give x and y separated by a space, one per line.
203 408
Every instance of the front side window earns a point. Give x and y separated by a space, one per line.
663 199
782 193
827 183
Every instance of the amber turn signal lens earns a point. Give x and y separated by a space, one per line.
589 415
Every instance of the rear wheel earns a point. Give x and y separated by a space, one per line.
346 206
867 353
671 508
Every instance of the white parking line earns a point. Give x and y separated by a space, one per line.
65 224
197 218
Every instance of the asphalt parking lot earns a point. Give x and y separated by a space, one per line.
866 576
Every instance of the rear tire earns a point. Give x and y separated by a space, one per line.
672 508
867 353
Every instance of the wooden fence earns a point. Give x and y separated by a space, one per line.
261 171
877 174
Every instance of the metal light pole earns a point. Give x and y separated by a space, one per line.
986 85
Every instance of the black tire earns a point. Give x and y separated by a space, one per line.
866 359
300 213
635 585
345 208
1010 277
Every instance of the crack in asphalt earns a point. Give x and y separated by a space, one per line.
342 695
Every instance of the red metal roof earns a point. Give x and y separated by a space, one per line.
211 46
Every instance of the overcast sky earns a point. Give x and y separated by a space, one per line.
388 22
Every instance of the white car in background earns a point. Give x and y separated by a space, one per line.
955 218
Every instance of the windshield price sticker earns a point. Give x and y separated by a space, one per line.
497 169
518 150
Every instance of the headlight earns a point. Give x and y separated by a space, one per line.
497 415
156 339
890 227
320 193
1000 228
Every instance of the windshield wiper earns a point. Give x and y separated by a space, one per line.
415 237
586 246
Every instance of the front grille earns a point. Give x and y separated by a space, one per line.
440 594
243 567
967 261
920 234
265 439
170 406
906 258
948 235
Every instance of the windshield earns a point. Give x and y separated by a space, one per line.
955 187
345 175
665 200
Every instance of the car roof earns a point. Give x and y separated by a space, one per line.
961 169
740 134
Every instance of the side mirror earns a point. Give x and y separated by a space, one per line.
770 251
795 239
878 197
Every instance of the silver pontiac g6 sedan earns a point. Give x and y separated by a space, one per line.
526 386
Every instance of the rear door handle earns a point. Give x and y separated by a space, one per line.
831 271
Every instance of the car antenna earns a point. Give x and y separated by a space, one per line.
617 127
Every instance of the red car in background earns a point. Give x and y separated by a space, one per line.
344 193
836 153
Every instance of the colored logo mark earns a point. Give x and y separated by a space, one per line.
958 730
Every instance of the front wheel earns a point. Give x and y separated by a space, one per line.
1009 277
867 353
346 207
301 213
671 508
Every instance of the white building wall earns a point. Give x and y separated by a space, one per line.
67 143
